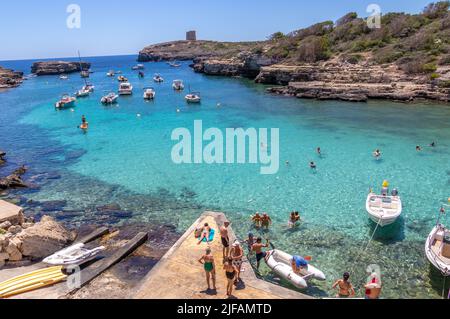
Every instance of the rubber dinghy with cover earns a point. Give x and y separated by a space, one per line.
73 255
281 264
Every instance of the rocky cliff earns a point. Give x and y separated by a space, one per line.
58 67
10 78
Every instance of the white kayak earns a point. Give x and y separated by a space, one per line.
73 255
281 264
383 210
437 249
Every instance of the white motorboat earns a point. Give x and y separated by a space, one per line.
158 78
73 255
193 97
111 73
149 93
125 88
63 77
281 264
89 87
121 78
178 85
111 98
84 74
384 209
174 64
83 92
65 102
437 249
138 67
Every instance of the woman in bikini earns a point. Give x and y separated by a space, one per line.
230 273
346 289
236 254
207 261
205 230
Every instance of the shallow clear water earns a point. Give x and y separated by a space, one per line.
127 159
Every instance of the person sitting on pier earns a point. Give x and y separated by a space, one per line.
346 289
257 220
266 221
205 230
258 249
209 266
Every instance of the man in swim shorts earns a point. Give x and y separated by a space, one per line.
225 239
257 248
266 221
257 220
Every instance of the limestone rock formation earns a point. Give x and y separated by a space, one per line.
58 67
9 79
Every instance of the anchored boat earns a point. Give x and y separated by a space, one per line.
138 67
125 88
178 85
384 209
73 255
158 78
437 247
281 264
111 98
121 78
65 101
193 97
111 73
149 93
83 92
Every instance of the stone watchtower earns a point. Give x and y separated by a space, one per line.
191 36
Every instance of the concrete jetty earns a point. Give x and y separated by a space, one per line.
179 275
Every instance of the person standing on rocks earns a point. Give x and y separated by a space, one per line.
207 260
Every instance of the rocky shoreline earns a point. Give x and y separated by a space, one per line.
58 67
9 78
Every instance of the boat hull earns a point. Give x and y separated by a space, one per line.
383 216
438 262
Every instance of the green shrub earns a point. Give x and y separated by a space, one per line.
435 76
429 67
445 84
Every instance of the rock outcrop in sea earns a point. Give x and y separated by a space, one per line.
58 67
10 78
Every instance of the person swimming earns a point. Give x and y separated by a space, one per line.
312 165
84 124
319 151
418 148
257 220
433 144
346 289
377 153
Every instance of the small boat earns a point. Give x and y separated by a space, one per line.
111 73
174 64
31 281
158 78
384 209
125 88
193 97
138 67
111 98
65 101
84 74
89 87
121 78
83 92
178 85
73 255
149 93
437 246
63 77
281 264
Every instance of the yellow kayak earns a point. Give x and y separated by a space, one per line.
31 281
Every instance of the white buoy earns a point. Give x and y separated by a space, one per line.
178 110
138 115
72 110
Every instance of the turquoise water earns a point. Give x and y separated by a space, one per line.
126 158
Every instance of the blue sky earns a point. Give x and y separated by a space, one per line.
37 29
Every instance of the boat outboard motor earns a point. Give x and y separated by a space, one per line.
384 191
394 192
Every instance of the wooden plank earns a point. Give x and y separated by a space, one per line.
91 272
93 236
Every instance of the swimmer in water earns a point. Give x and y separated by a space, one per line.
319 151
418 148
433 144
312 165
257 220
377 153
287 163
84 124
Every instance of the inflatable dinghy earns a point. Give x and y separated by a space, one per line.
281 264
